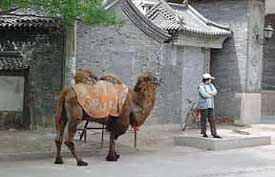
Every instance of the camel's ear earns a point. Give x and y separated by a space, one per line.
138 85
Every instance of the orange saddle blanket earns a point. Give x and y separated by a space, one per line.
102 99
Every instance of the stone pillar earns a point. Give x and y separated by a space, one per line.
70 55
251 97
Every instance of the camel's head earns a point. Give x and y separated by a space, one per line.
144 98
150 78
147 80
85 76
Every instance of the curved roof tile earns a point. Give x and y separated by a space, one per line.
176 17
166 19
22 18
143 23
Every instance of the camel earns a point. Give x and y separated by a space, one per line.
138 104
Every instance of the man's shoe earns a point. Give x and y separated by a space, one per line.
217 136
205 136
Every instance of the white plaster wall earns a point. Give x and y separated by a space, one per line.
269 6
11 93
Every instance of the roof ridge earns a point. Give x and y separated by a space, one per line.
212 23
207 21
143 23
29 15
168 12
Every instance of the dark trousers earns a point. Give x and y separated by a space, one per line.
208 114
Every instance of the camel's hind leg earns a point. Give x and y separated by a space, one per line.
58 141
61 121
75 116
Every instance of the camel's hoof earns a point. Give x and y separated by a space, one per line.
82 163
59 161
112 158
117 156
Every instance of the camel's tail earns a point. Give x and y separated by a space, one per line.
60 116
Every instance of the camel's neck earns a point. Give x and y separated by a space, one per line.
143 104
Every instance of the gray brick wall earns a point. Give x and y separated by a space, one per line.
46 78
44 56
268 61
269 65
268 79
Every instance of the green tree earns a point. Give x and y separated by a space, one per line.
88 11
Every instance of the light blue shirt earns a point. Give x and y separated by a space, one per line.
206 96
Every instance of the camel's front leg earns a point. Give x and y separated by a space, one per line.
112 155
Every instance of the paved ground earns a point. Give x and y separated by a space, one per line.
16 145
170 162
157 156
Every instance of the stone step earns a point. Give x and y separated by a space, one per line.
228 142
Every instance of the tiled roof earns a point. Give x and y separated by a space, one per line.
164 17
18 21
143 23
11 63
169 19
29 11
27 18
175 17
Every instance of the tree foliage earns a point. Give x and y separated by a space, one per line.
88 11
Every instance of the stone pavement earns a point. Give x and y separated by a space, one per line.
39 144
233 137
166 162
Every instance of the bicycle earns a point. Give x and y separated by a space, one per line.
192 117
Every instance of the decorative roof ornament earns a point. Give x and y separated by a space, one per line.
12 61
185 2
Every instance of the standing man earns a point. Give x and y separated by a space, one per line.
207 92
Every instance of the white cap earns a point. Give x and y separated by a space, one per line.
207 76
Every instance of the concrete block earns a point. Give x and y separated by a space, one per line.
222 144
